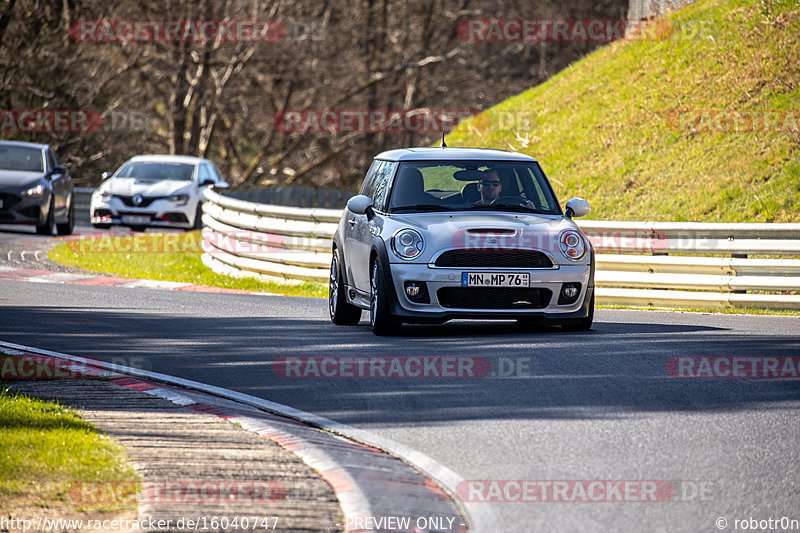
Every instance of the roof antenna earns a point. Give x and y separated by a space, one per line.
443 145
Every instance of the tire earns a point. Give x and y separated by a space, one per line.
138 228
380 318
198 217
342 313
49 226
581 324
67 227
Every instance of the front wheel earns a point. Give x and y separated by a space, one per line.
342 313
581 324
67 227
380 318
49 226
198 218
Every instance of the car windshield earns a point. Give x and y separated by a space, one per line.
21 158
152 171
472 185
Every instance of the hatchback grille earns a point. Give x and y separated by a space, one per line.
494 297
9 201
146 200
494 259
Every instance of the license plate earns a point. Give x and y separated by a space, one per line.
495 279
135 219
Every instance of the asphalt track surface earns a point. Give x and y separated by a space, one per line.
579 407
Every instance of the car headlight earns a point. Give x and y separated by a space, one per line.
35 191
179 199
407 244
572 245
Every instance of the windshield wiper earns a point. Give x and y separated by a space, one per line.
421 207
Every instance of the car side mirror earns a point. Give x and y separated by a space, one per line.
577 207
207 181
59 169
105 175
222 185
361 205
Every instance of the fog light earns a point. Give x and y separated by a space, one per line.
413 290
569 293
417 292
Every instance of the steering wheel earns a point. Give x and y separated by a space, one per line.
510 200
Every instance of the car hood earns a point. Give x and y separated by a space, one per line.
131 186
483 230
18 178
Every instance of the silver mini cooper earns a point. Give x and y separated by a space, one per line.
443 233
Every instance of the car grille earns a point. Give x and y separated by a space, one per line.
9 201
146 200
494 297
494 259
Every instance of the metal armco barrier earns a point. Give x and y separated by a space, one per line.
638 263
83 195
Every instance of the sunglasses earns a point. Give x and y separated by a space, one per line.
490 183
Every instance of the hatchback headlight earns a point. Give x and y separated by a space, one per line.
407 244
572 245
35 191
179 199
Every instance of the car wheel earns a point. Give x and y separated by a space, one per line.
49 226
67 227
198 217
581 324
138 228
381 320
342 313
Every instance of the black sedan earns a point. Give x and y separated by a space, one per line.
35 189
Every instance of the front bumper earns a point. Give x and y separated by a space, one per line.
436 279
160 213
18 209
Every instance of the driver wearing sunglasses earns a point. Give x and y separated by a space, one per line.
490 187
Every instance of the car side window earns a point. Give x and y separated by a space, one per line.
52 162
367 184
205 173
376 183
380 189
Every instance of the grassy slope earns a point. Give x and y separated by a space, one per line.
182 265
44 448
602 128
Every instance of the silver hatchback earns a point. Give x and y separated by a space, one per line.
443 233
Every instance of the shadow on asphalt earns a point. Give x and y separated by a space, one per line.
616 370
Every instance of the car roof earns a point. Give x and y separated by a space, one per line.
156 158
461 154
25 144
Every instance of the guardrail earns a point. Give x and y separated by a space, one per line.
638 263
83 195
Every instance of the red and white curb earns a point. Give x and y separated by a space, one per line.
370 475
46 276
